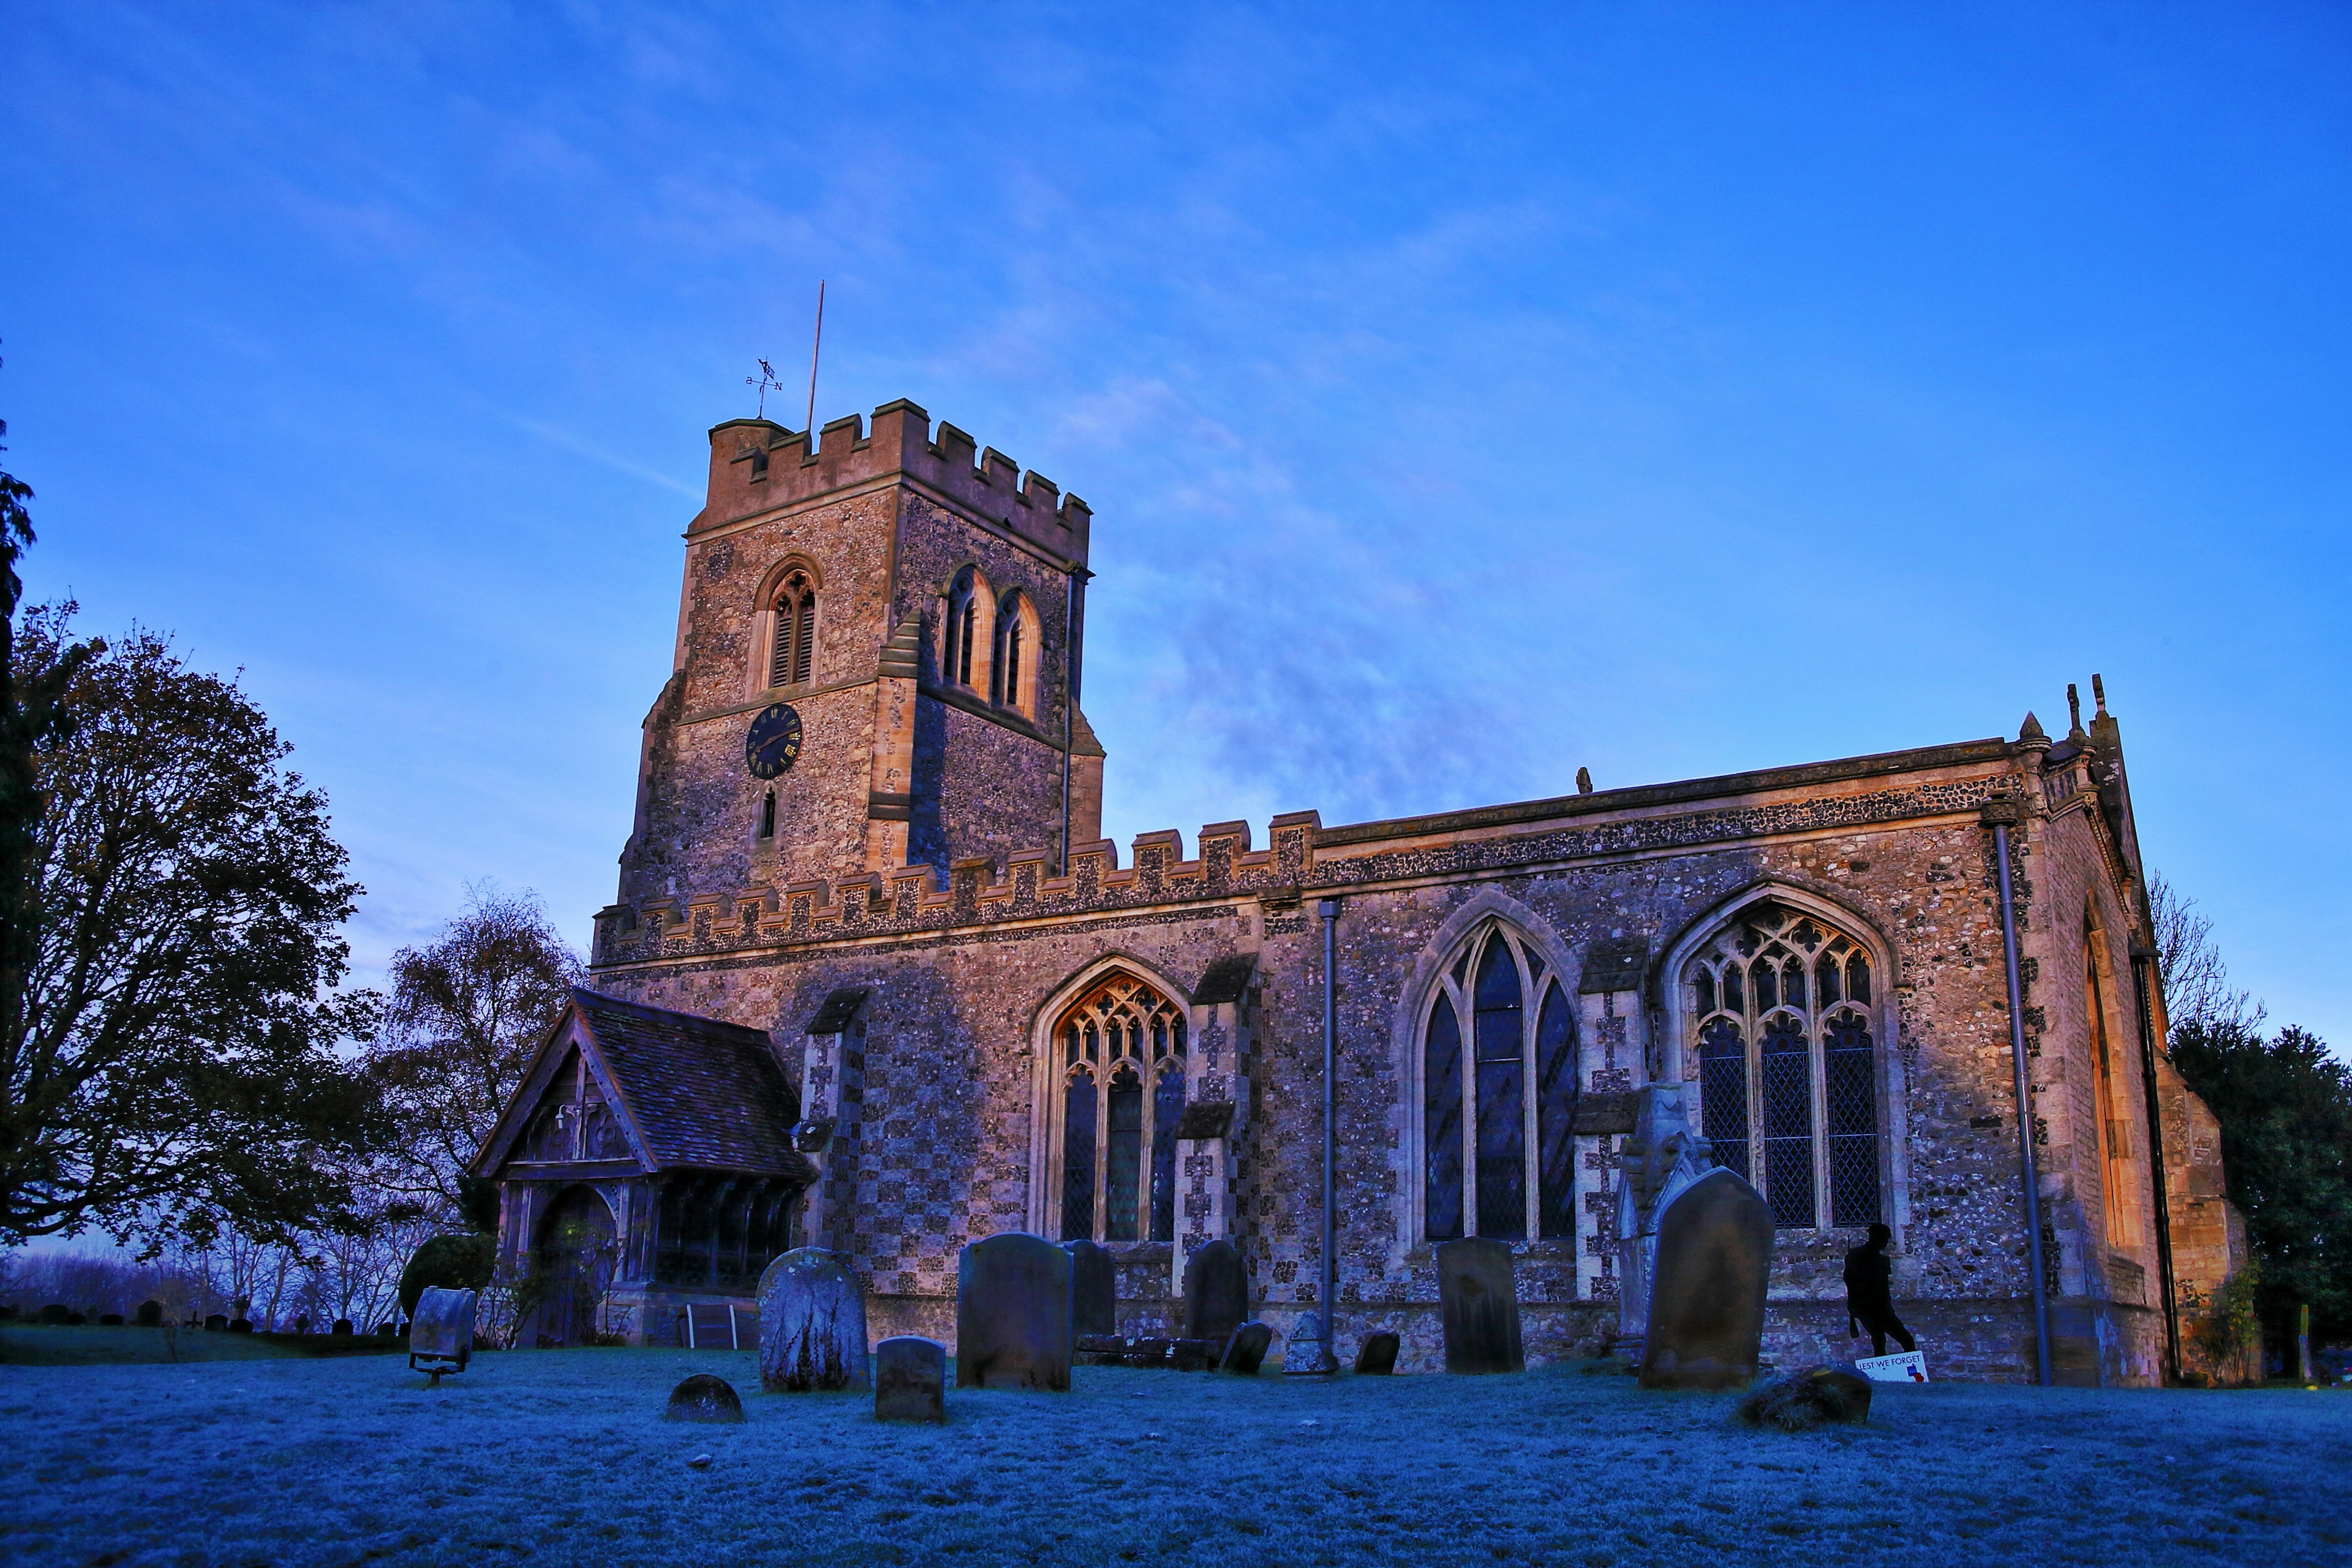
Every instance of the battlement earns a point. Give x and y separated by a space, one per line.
758 465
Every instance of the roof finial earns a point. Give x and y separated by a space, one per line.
1584 781
2074 712
2099 695
2031 731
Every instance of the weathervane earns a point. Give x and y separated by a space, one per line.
766 379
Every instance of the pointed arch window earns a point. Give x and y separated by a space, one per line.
1781 1026
792 649
1012 672
965 656
1498 1108
1121 1050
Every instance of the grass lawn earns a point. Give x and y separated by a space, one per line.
560 1456
35 1345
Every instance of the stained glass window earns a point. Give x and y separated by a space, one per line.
1115 1137
1556 1113
1502 1127
1442 1122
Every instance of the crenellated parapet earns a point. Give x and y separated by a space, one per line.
758 465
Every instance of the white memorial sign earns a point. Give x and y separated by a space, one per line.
1908 1367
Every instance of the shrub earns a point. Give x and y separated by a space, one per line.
449 1262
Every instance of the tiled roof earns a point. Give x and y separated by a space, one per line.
704 1093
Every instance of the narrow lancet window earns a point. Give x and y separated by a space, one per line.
1441 1123
1502 1125
1556 1114
1786 1061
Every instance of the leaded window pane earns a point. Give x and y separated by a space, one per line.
1857 979
1825 981
1792 983
1723 1091
1556 1115
1705 992
1441 1123
1078 1158
1123 1173
1167 1110
1849 1082
1768 994
1502 1127
1734 999
1786 1065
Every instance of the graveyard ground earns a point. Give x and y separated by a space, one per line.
560 1456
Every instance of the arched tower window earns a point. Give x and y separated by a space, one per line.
1121 1050
1780 1015
965 655
1497 1117
792 651
1013 674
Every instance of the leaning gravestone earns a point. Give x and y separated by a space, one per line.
442 1333
1480 1302
1013 1314
813 1324
1376 1357
1094 1288
1246 1351
705 1398
911 1378
1216 1293
1707 1292
1303 1350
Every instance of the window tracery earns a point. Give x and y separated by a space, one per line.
792 648
1497 1122
1121 1048
1780 1010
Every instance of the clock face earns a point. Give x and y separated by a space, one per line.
773 742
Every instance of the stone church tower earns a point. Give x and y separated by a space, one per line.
920 612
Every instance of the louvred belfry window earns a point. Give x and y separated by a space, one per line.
1780 1018
792 654
1498 1117
1122 1064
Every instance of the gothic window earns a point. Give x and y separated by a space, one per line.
965 656
1013 674
792 649
1121 1050
1788 1068
1497 1119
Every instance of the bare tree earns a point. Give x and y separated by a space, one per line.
465 1014
2197 995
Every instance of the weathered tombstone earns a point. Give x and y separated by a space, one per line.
1480 1302
1094 1288
705 1398
1303 1354
814 1317
150 1315
342 1328
1245 1349
1376 1357
1216 1292
442 1333
109 1320
911 1378
1707 1292
216 1322
56 1312
1013 1314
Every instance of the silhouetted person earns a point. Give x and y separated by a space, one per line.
1870 1294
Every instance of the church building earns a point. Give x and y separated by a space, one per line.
874 982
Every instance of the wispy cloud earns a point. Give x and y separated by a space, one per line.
556 435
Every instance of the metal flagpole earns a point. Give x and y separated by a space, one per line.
817 341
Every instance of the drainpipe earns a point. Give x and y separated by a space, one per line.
1330 910
2143 963
2000 813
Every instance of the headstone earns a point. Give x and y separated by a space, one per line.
240 1325
1480 1302
443 1329
1216 1292
814 1323
217 1321
1707 1292
1013 1314
703 1397
1815 1398
109 1320
1245 1349
1304 1351
911 1378
302 1324
342 1328
1094 1288
1376 1357
56 1312
150 1315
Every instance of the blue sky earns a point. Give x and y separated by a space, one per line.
1465 394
